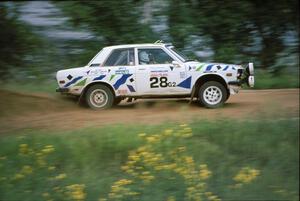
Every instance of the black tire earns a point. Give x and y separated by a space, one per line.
99 97
117 100
228 95
212 94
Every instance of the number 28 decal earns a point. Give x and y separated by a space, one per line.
156 82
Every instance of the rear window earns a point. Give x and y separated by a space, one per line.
121 57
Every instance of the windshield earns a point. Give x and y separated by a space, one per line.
180 55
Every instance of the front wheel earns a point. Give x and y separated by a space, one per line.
212 94
99 97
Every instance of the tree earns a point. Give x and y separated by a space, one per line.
15 41
116 21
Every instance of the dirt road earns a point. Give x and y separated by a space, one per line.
26 111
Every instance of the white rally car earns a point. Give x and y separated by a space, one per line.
152 70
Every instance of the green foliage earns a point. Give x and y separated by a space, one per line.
16 41
117 21
94 156
234 26
267 80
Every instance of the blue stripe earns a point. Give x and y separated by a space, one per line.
208 68
225 68
122 80
73 81
99 78
186 83
131 89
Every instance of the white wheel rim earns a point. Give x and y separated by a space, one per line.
212 95
98 98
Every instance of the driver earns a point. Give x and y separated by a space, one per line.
144 57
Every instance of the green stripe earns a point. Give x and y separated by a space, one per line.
111 77
81 83
199 67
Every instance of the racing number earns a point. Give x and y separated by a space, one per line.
161 82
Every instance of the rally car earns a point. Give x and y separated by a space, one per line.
155 70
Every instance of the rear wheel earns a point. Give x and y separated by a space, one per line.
99 97
212 94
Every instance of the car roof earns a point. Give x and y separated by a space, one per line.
136 45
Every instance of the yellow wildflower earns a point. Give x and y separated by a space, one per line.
123 182
171 198
246 175
50 168
60 176
26 170
141 135
181 149
204 172
168 132
48 149
45 194
23 149
18 176
76 191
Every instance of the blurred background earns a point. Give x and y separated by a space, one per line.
40 37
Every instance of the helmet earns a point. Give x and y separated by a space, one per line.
144 57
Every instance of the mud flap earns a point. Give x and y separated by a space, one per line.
192 95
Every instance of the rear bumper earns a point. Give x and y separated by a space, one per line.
62 90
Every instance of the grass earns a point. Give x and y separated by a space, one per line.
266 80
94 157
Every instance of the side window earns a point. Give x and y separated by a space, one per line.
153 56
120 57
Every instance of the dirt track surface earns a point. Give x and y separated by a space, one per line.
27 111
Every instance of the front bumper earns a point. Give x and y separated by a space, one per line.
62 90
247 77
249 81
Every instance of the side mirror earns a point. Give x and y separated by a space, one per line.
176 64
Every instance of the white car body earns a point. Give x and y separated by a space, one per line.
176 78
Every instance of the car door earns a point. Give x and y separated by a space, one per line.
119 71
156 74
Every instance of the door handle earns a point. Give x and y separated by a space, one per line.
141 68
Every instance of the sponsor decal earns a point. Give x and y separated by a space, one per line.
209 67
73 81
122 70
200 67
182 75
158 74
225 68
131 89
97 72
162 82
121 80
99 77
69 77
122 91
111 77
81 83
186 83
